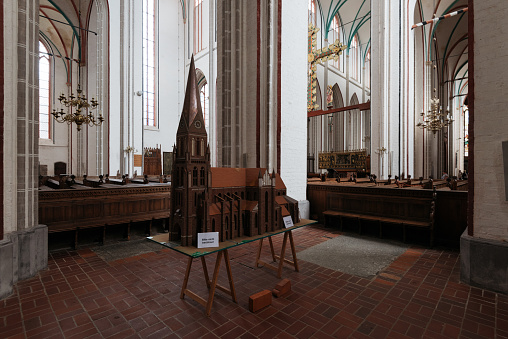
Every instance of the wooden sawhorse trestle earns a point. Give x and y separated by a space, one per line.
211 284
281 258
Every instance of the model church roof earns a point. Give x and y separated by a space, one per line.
240 177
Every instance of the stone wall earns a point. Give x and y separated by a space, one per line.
23 251
491 122
483 253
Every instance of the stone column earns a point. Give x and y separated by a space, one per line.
23 251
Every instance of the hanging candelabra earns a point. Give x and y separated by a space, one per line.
82 108
78 103
435 119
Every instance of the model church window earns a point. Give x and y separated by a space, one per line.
353 57
198 26
195 177
44 86
266 206
193 147
149 69
202 177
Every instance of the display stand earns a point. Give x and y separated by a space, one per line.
281 258
222 251
211 284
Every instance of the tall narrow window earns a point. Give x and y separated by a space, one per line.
354 51
198 26
44 81
195 177
203 95
367 69
312 12
266 206
149 63
335 35
202 176
466 130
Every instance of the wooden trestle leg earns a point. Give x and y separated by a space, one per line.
211 284
281 258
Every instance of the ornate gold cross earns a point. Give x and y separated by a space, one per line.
317 56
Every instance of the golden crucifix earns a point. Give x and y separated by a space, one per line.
317 56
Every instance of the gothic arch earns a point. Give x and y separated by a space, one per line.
337 128
315 133
354 100
338 100
76 53
200 78
319 97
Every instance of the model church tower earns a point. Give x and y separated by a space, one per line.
235 202
191 166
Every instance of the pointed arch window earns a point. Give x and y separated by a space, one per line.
198 26
202 176
149 63
354 53
266 206
366 75
195 176
44 92
335 35
203 95
313 12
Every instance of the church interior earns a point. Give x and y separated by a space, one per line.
377 127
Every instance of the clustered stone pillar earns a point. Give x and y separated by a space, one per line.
23 251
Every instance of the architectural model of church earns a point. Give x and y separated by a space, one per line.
235 202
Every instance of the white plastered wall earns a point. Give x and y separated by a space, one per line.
126 79
293 97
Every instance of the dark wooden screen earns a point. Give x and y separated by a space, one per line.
60 168
153 161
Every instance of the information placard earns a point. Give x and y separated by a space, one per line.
209 239
288 222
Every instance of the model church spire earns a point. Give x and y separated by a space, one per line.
192 113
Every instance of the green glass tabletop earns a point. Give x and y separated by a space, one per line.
192 251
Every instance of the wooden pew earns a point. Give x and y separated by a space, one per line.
383 207
86 207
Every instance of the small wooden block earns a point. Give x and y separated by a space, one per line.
260 300
282 288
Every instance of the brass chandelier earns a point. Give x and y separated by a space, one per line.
435 119
78 103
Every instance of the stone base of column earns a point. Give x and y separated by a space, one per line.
304 208
483 263
22 255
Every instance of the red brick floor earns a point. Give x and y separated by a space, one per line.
418 295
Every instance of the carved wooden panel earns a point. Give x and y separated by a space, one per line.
451 206
71 209
354 160
153 161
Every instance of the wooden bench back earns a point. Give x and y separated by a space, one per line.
399 207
